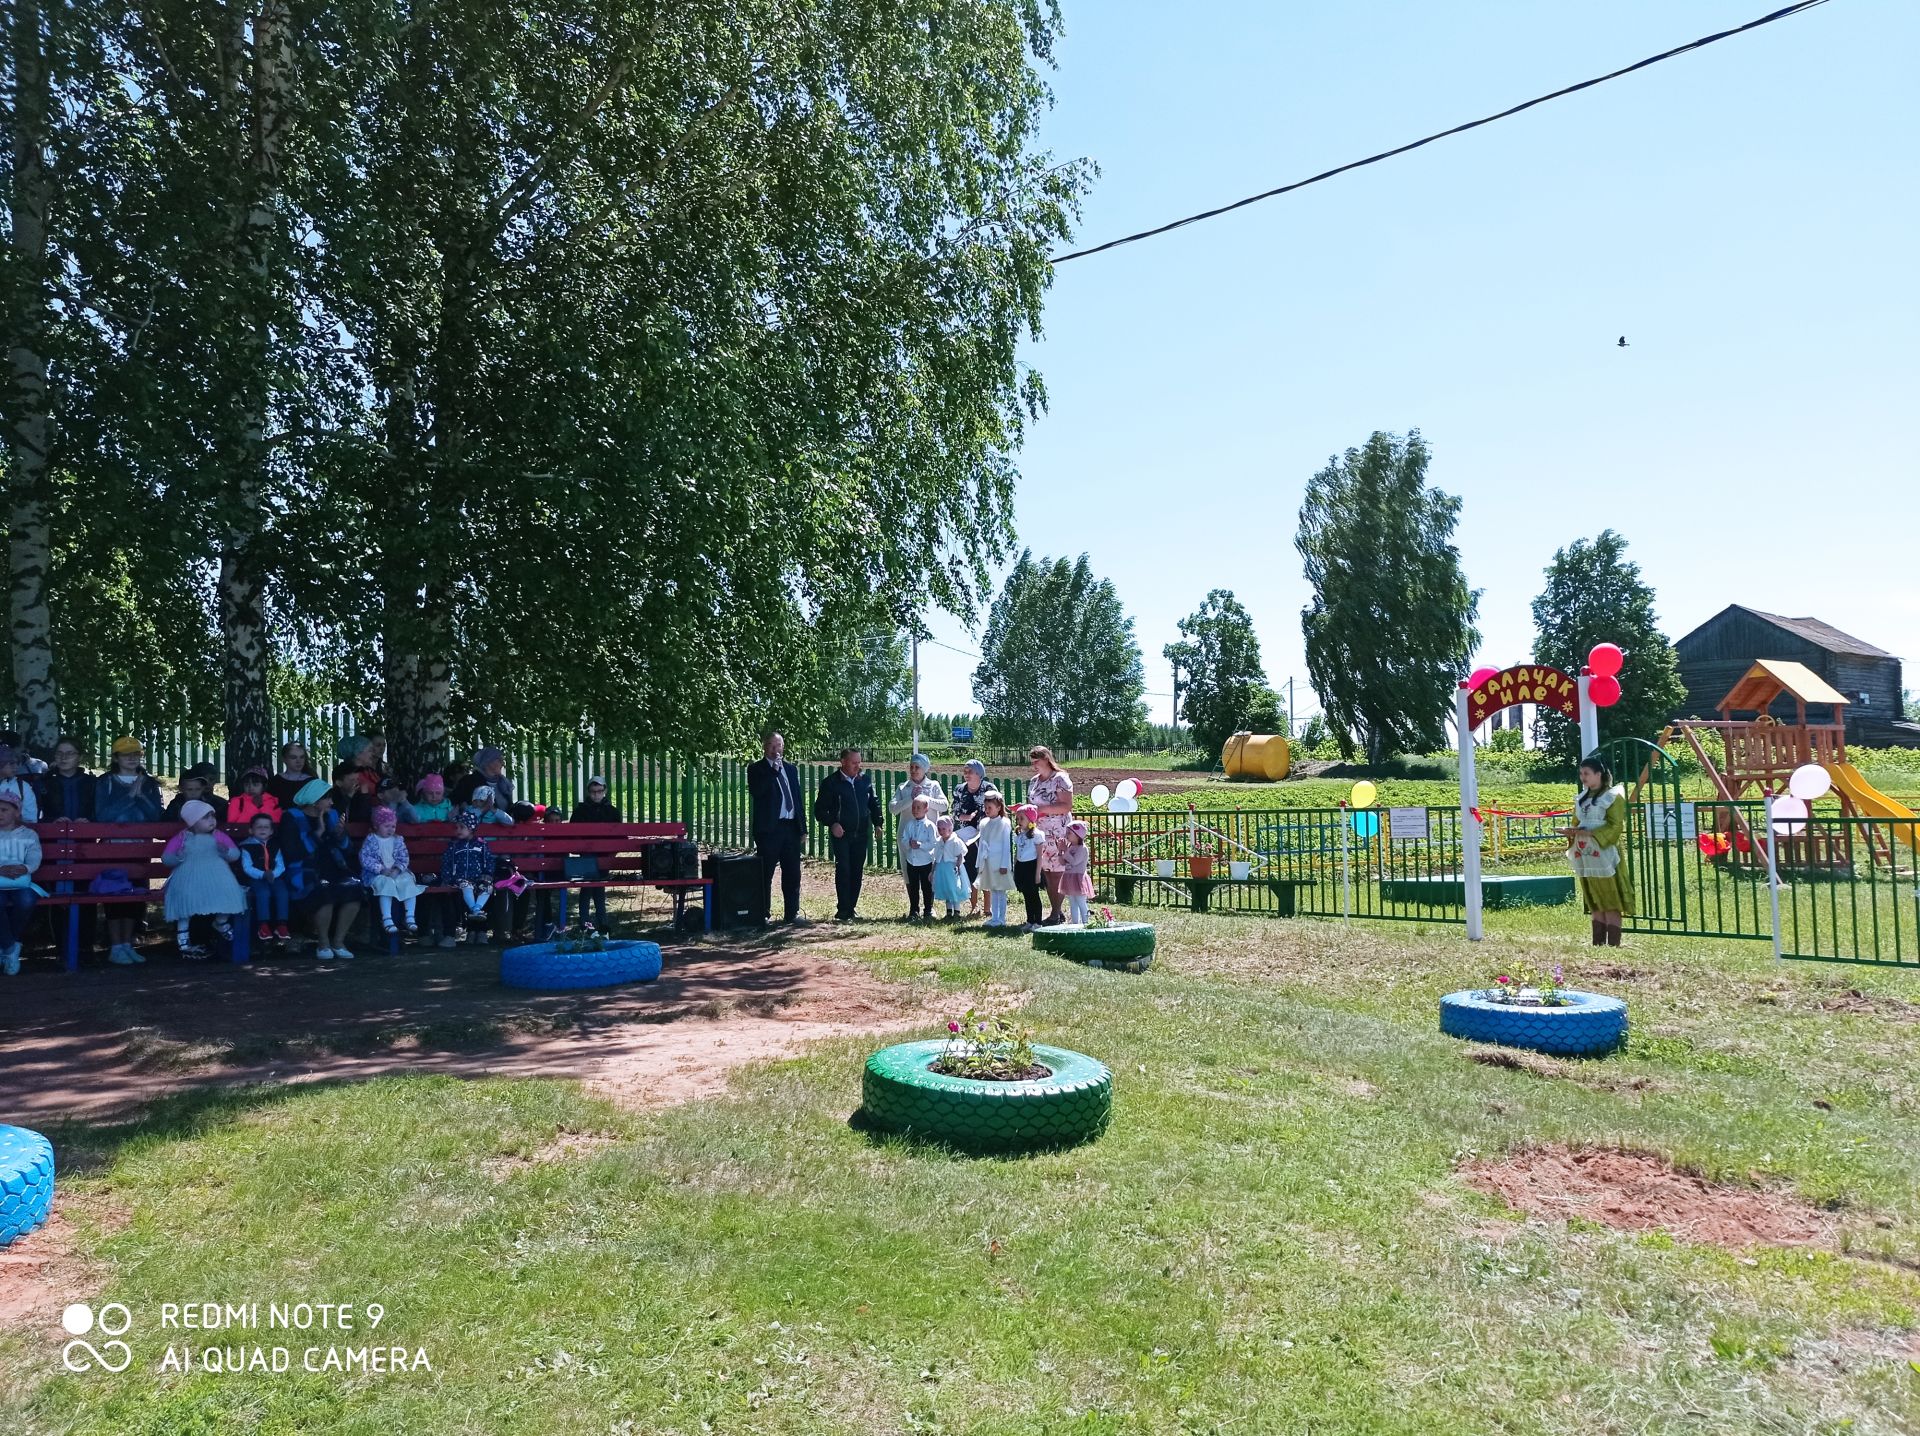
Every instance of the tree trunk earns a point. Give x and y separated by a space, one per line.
243 631
36 691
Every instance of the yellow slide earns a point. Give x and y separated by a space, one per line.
1870 802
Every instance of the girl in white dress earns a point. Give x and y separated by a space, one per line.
388 872
994 856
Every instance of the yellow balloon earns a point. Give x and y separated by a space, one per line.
1363 794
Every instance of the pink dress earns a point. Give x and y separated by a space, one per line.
1076 879
1056 787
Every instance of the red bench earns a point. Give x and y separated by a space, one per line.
74 854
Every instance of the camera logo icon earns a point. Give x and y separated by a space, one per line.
112 1320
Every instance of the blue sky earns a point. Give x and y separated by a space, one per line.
1748 216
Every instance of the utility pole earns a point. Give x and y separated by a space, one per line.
1175 665
915 635
1292 732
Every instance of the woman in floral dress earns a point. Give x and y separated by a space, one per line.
1051 791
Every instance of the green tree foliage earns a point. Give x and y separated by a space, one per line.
1059 664
866 687
1391 624
571 363
1594 594
1223 685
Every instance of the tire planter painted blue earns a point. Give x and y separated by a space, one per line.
1587 1026
542 965
26 1182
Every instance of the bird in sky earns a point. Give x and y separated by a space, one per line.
1623 341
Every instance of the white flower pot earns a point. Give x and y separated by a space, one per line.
1163 867
1239 872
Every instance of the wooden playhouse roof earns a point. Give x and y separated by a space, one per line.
1769 678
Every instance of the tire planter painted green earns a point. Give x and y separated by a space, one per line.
1121 946
1587 1026
26 1182
899 1093
544 966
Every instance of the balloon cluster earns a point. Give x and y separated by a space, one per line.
1365 822
1604 664
1123 799
1808 784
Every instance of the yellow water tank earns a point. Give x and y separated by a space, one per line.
1256 757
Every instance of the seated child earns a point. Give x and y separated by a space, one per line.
253 800
467 864
265 870
431 805
202 880
388 872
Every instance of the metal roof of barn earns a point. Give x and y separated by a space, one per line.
1820 635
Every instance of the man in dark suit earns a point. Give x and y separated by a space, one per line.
779 825
850 810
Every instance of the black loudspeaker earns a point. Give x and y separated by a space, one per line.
673 861
739 888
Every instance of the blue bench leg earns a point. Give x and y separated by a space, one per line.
242 936
73 938
706 904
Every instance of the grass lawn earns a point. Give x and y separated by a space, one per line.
1273 1237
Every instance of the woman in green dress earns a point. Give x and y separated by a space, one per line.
1594 850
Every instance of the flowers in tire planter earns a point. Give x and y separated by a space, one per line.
1097 920
989 1049
1523 986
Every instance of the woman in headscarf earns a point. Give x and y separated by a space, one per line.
919 784
489 771
968 801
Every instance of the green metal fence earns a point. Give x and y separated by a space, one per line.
1849 887
1401 864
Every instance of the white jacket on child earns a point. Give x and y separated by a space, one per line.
923 832
996 852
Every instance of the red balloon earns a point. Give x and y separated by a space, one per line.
1605 660
1479 676
1604 691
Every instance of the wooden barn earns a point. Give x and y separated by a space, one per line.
1718 653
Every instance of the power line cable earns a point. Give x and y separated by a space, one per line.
1687 48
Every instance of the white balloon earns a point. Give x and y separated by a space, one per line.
1099 795
1810 782
1787 810
1124 804
1128 788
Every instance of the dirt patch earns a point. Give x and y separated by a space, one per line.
1853 1000
1614 972
42 1272
1634 1191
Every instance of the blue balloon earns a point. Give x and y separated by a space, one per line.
1366 823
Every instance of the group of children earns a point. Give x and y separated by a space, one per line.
1006 848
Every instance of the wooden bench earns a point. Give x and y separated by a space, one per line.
74 854
1200 890
540 852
